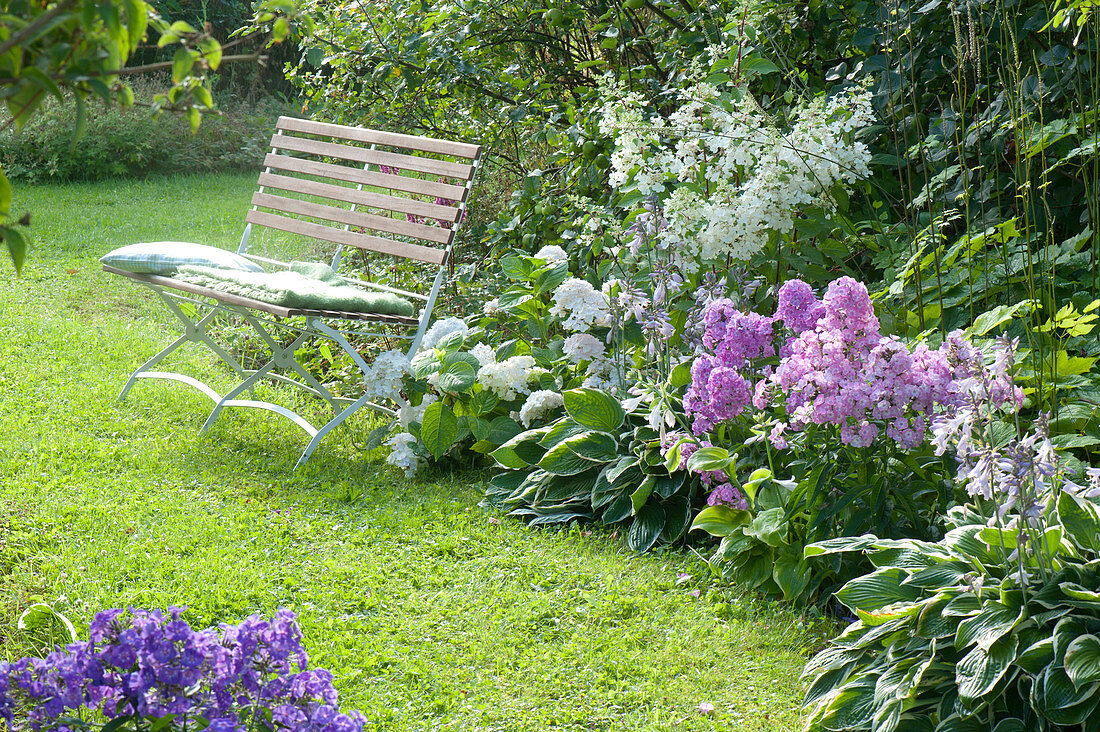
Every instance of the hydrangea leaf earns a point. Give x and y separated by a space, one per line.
438 429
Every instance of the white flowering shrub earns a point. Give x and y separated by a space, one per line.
727 176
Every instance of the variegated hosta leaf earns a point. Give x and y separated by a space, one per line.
980 670
1082 660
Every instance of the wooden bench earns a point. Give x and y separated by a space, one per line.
357 189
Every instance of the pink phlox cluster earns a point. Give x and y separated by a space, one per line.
736 338
727 495
798 307
687 449
717 393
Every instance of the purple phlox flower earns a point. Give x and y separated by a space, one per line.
727 495
798 307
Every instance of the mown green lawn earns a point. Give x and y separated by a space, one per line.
432 613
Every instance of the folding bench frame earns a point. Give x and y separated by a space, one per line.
301 163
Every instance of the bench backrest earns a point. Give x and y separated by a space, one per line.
406 198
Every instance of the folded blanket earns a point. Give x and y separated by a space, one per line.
306 286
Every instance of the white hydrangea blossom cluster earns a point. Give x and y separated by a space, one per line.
580 305
484 353
409 414
440 330
552 253
538 405
403 454
508 378
384 378
583 347
756 176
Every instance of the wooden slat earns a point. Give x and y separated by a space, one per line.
347 238
266 307
385 224
378 137
374 157
369 199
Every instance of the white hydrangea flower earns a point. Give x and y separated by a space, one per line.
383 380
583 347
508 378
441 330
552 253
402 453
491 307
580 305
484 354
409 414
538 405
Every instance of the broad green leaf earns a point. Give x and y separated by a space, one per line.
1037 656
839 545
720 520
639 497
438 429
1077 592
770 527
456 373
852 707
669 485
5 194
757 477
677 516
1082 660
1079 519
876 590
993 622
890 612
647 527
515 452
561 431
932 623
182 62
17 246
560 460
980 670
710 458
996 317
595 446
211 51
594 409
1057 698
502 429
792 574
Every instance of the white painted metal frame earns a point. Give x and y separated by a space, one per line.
283 357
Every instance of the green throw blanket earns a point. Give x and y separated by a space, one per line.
305 285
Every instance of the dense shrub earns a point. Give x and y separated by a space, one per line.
129 142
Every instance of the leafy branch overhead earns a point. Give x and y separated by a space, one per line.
80 49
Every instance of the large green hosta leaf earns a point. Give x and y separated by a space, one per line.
594 409
876 590
987 626
1082 660
1056 698
980 670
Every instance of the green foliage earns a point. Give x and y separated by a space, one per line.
82 47
129 142
949 635
430 613
596 462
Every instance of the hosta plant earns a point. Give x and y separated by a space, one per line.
598 461
951 637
